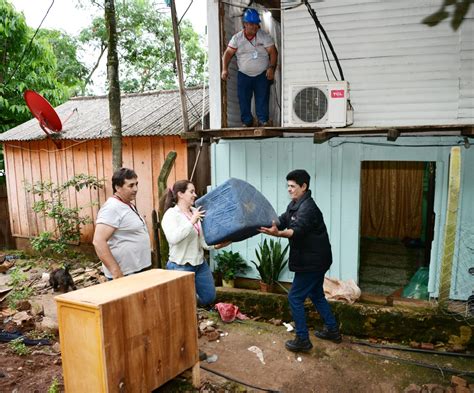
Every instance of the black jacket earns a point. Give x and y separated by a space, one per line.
310 250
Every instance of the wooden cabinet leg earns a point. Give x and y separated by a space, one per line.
196 372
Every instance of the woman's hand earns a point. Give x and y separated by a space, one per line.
272 231
222 245
198 214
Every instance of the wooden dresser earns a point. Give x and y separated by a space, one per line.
129 335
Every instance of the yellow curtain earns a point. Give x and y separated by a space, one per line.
391 199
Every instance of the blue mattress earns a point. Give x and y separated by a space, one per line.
234 211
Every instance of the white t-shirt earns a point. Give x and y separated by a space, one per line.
186 244
252 56
130 242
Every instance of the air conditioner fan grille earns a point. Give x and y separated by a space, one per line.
310 104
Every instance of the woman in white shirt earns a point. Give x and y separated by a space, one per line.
182 227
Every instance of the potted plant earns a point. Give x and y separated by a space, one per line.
229 264
271 262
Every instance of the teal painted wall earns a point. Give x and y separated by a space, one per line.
335 168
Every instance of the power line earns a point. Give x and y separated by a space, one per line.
27 49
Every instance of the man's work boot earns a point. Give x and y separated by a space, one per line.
299 345
202 355
329 334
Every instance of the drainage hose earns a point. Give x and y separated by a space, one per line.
407 349
238 381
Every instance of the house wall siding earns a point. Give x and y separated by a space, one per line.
401 72
335 169
32 161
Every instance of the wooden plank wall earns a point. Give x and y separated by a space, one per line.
32 161
6 240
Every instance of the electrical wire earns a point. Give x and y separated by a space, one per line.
423 364
28 48
319 26
408 349
236 380
180 19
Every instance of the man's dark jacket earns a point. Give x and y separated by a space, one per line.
310 250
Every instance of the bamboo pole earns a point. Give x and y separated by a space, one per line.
450 226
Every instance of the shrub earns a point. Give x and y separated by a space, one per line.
67 220
229 264
271 260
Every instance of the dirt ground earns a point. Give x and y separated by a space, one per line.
329 367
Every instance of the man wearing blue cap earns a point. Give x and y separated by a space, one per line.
257 61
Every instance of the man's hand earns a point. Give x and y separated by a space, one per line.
272 231
270 73
225 75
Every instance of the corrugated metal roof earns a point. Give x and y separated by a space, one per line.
143 114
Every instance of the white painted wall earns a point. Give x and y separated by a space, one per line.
401 72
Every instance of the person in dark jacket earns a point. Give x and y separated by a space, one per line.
310 259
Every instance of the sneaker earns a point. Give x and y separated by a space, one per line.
329 334
264 124
247 125
202 355
299 345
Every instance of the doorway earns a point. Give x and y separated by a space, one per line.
396 232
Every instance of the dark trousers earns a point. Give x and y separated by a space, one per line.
309 284
247 86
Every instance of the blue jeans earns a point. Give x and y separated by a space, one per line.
248 86
205 288
309 284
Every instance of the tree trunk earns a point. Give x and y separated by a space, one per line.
114 85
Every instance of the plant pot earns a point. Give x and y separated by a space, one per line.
228 283
264 287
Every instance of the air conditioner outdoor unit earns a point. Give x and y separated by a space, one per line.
321 104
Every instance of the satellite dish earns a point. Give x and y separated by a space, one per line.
43 111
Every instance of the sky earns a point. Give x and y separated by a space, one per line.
65 16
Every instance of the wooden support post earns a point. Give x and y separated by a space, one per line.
450 226
392 134
179 64
156 230
322 136
162 188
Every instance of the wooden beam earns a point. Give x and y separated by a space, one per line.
468 131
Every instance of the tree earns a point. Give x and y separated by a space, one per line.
71 72
114 84
460 9
146 47
24 64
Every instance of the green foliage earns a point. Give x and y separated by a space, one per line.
20 291
229 264
459 12
67 220
271 260
146 47
54 387
18 346
70 71
26 66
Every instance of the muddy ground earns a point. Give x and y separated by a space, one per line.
329 367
